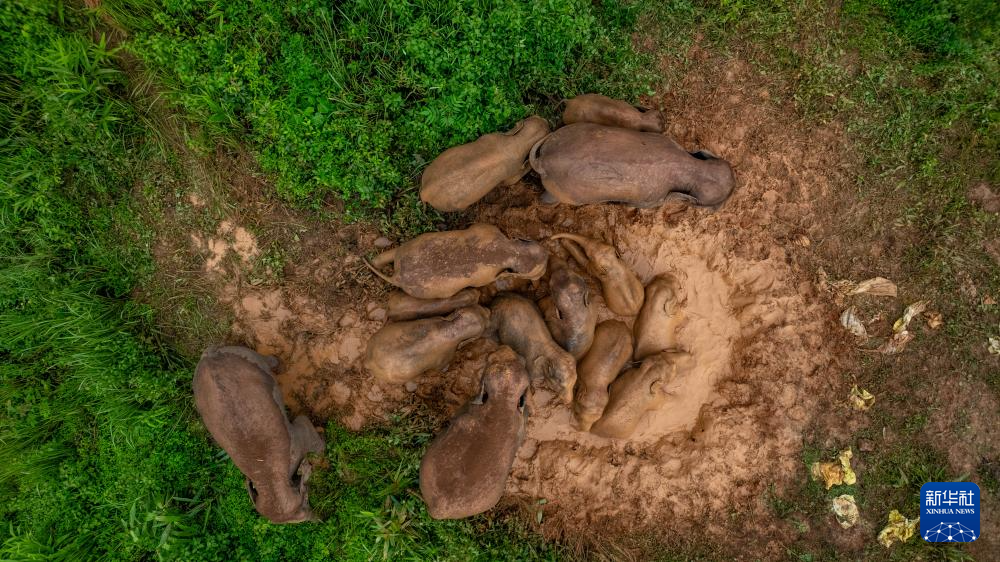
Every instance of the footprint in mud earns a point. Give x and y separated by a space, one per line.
229 239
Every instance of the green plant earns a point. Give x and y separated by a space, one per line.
354 100
101 456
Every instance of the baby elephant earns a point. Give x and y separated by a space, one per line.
241 405
586 163
465 468
595 108
612 350
657 323
621 288
518 323
464 174
569 314
437 265
402 350
638 391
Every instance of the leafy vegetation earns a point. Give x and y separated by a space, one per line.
101 456
353 98
90 400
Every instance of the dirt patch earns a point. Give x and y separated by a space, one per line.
964 425
986 198
229 239
965 422
765 339
734 425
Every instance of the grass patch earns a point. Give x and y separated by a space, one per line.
101 454
355 99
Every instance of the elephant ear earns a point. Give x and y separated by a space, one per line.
483 396
517 128
552 309
657 386
542 366
547 368
273 361
302 474
658 389
535 158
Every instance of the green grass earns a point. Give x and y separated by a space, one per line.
352 99
101 455
917 83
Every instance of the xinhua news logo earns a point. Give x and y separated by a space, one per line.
949 512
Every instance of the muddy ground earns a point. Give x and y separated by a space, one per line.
759 315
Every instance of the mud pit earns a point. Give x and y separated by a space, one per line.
752 318
730 427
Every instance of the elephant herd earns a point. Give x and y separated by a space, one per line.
610 374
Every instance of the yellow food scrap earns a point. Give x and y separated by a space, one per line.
860 398
934 320
846 510
834 473
899 529
845 462
829 472
911 311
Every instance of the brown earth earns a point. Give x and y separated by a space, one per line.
758 320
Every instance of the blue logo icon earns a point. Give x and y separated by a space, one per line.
949 512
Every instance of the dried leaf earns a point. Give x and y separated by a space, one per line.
988 300
876 286
896 344
846 510
860 398
849 320
934 320
834 473
911 311
994 346
899 529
